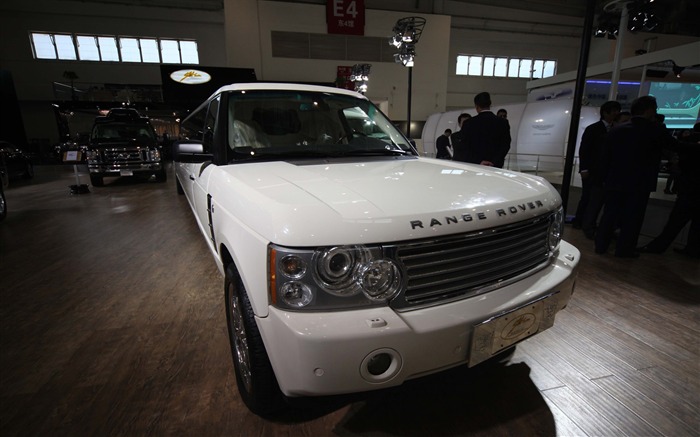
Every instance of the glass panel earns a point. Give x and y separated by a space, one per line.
537 67
489 64
108 48
149 50
169 51
189 52
475 65
501 67
550 68
462 65
43 46
65 47
130 50
87 48
513 67
525 65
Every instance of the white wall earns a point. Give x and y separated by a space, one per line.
388 81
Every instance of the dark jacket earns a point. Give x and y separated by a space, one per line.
591 152
633 152
442 145
484 137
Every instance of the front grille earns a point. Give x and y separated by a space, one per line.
456 267
123 157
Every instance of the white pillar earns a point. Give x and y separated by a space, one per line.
617 62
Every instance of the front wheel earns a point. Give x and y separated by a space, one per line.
255 378
161 176
96 180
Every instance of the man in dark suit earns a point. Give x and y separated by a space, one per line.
442 145
591 163
687 206
485 138
633 152
457 134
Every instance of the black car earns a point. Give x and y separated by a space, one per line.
123 143
14 162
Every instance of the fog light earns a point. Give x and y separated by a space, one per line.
379 364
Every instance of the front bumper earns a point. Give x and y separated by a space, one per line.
331 352
119 169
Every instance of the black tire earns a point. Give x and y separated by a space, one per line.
161 176
255 378
178 186
96 180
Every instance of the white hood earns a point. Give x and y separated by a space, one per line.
324 203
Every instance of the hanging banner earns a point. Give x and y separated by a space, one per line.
346 17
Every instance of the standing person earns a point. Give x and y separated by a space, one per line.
442 144
485 139
633 152
502 113
457 135
687 206
591 165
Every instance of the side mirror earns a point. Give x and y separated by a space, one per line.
190 151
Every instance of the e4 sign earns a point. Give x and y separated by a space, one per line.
346 17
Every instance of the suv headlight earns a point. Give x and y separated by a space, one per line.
336 277
153 155
556 227
92 155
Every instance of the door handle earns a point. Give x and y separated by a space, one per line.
191 177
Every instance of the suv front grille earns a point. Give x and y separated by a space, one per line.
457 267
123 156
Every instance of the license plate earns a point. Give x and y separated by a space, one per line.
504 330
126 172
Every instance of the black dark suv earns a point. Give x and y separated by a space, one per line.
123 143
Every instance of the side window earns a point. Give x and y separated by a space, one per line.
210 124
192 127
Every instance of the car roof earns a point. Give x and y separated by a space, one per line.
261 86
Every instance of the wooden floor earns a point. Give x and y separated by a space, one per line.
112 323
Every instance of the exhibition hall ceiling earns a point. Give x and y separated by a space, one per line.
677 17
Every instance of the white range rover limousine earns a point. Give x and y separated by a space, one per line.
351 263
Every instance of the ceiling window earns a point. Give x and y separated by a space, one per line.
87 48
108 48
494 66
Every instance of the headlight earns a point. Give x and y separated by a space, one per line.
555 229
153 155
336 277
92 155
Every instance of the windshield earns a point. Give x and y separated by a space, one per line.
122 131
277 124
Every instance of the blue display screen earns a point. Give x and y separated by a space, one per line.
678 102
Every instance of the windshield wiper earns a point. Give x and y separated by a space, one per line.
371 152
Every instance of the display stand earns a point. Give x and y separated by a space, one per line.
75 157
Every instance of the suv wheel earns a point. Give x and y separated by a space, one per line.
96 180
161 176
255 378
